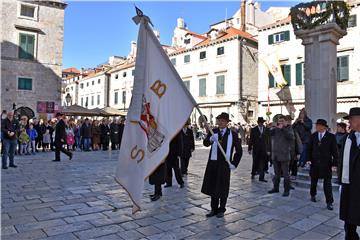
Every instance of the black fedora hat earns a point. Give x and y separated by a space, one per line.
261 119
353 112
59 114
224 116
321 122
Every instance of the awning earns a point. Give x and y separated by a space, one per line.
76 110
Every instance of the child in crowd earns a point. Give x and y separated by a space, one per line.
70 140
24 142
46 140
32 135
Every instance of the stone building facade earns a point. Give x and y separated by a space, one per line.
31 55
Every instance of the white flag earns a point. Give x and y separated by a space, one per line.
272 63
159 108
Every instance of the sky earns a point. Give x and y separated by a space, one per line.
95 30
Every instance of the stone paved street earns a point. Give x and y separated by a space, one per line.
80 200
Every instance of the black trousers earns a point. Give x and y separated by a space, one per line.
294 167
184 165
215 204
259 162
60 148
327 189
281 168
350 232
158 190
173 163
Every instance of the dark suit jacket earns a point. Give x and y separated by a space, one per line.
350 193
188 142
259 142
60 132
322 155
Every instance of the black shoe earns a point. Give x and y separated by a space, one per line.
13 166
155 197
182 185
56 160
167 185
273 191
262 180
211 214
330 206
220 215
71 156
313 199
286 194
4 167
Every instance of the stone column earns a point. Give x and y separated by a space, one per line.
320 70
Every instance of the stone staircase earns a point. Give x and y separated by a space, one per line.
303 181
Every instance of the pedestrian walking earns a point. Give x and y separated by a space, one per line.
350 177
322 156
216 183
172 161
188 147
9 129
259 147
157 178
60 137
281 140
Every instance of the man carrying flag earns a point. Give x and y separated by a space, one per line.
217 174
151 121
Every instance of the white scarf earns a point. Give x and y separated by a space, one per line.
346 162
214 147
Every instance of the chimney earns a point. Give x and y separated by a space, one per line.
242 15
180 23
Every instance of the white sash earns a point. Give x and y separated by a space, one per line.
346 162
214 147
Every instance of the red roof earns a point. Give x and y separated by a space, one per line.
195 34
71 70
277 23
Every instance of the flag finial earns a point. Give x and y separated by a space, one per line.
140 15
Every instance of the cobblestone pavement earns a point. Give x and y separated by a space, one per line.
79 199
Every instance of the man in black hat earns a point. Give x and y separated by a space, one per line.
216 182
258 145
60 136
322 155
349 169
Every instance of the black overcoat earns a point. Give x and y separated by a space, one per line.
105 134
158 176
350 193
188 143
217 174
114 133
322 155
60 133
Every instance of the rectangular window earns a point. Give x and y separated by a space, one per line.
173 61
286 70
271 80
26 46
342 68
87 102
92 100
116 76
187 84
124 97
187 41
99 81
124 74
93 83
82 102
220 51
220 84
81 85
279 37
27 11
203 55
202 87
186 58
98 99
24 83
352 21
87 84
133 72
116 97
299 74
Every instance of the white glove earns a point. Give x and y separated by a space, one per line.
232 167
214 138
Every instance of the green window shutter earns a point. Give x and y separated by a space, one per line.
299 74
22 45
30 46
271 39
24 83
287 35
26 46
343 66
271 80
220 84
202 87
287 73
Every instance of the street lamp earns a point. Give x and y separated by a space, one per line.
68 99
